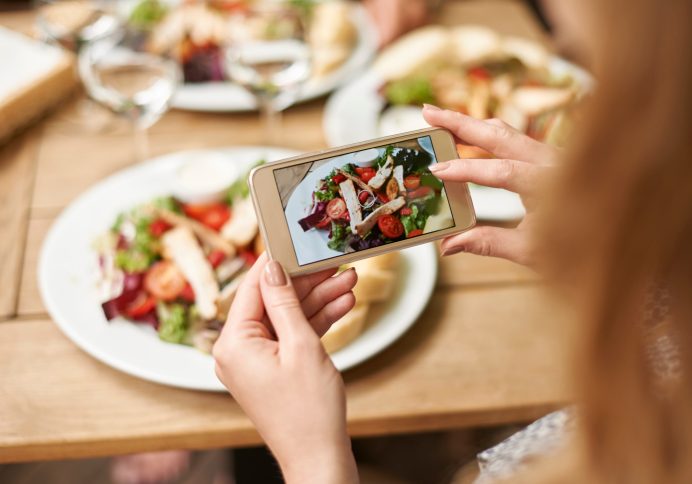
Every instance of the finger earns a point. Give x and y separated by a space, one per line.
499 140
332 312
247 304
328 291
304 284
282 304
511 244
516 176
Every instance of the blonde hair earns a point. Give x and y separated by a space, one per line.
619 223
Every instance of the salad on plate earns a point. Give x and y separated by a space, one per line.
359 207
175 262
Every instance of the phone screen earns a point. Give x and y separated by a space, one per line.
363 199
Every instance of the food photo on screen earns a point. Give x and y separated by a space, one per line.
363 199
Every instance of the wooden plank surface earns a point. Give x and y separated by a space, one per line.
17 167
476 357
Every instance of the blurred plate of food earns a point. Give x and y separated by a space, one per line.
471 69
141 269
341 38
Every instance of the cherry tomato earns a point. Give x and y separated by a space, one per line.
158 227
142 304
382 198
412 182
336 208
249 257
414 233
390 226
479 73
324 223
420 192
338 178
164 281
363 197
213 215
406 211
216 257
187 294
366 173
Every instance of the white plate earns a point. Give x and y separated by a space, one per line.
352 115
228 97
67 281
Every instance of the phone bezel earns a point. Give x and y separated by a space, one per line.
274 226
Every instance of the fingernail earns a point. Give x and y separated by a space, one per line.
439 166
431 107
452 251
275 274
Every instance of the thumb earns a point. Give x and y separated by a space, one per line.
282 304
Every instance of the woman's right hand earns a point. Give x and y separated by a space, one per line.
520 166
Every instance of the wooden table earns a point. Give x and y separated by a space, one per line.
486 350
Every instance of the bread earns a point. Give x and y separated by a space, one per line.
346 329
475 44
415 52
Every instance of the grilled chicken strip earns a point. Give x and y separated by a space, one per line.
348 191
357 181
180 245
241 229
388 208
205 234
383 173
399 177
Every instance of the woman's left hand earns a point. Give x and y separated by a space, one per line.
271 359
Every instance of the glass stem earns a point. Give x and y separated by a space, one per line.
140 143
271 119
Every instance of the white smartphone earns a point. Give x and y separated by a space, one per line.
336 206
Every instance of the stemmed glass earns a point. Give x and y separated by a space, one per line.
269 55
121 75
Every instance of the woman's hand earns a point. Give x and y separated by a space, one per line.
270 358
521 165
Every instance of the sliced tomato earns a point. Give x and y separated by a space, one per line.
187 294
213 215
164 281
216 257
390 226
336 208
142 304
479 73
158 227
338 178
382 197
365 173
406 211
324 223
420 192
412 182
414 233
249 257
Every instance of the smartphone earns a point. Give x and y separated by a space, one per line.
331 207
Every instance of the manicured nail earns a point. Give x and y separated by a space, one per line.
452 251
439 166
431 107
275 274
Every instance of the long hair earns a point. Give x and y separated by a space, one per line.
617 233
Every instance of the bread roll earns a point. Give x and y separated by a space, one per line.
474 44
415 52
388 261
346 329
374 285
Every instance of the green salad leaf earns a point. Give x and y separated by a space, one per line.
415 221
144 248
430 180
167 203
339 236
147 13
240 188
412 90
173 322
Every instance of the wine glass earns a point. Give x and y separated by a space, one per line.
269 55
121 75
